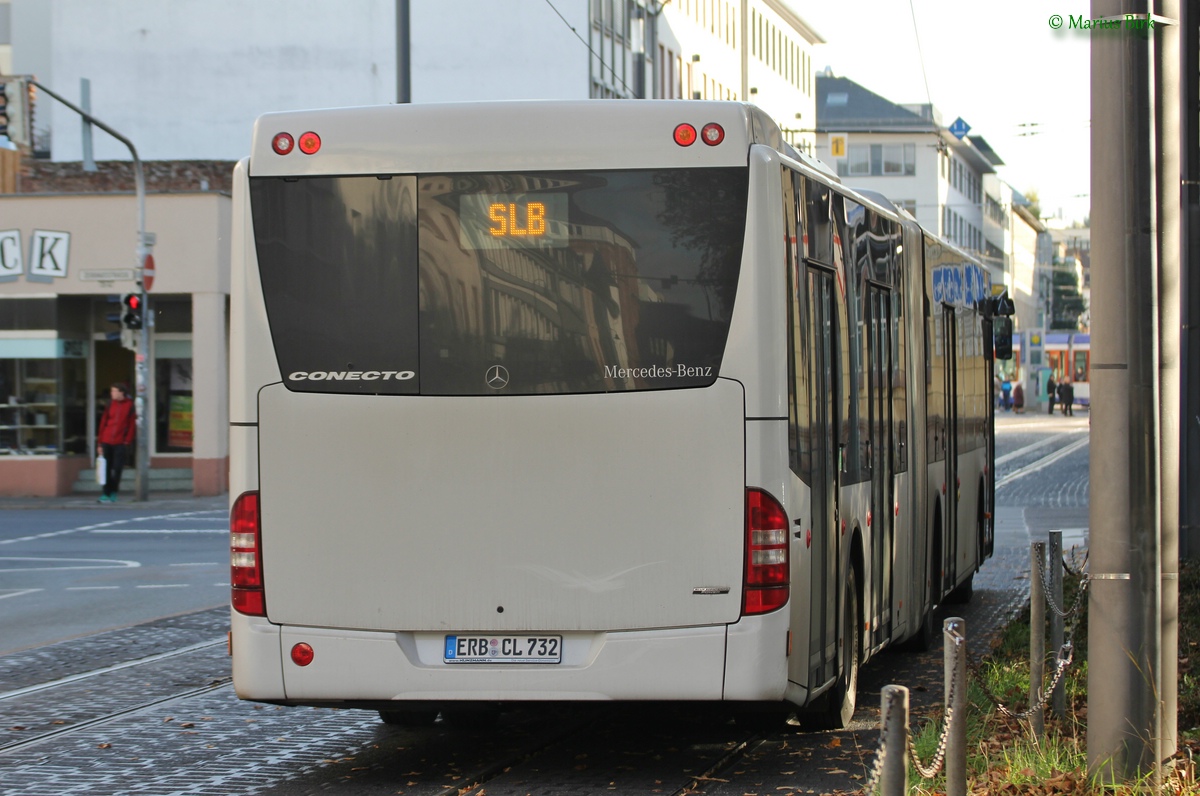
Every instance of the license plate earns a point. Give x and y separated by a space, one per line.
502 649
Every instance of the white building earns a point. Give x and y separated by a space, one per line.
185 80
757 50
908 155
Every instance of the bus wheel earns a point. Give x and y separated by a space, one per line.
409 717
836 708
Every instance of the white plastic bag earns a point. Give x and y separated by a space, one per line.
101 469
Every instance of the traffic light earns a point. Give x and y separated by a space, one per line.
132 319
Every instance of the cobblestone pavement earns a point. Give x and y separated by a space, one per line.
131 717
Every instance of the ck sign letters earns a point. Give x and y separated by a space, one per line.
11 266
48 255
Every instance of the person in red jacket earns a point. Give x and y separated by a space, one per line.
117 427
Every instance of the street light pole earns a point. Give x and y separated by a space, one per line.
143 335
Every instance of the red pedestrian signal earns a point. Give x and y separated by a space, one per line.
132 319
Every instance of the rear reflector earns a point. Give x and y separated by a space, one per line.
767 577
302 654
245 559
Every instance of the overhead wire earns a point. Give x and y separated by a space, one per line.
595 54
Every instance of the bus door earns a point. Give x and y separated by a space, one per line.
826 591
950 495
878 450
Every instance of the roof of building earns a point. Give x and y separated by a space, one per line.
986 150
846 107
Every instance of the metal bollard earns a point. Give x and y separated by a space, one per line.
1037 640
1058 703
955 653
893 777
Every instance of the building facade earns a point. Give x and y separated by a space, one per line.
908 155
185 81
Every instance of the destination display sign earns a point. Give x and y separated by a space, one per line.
490 221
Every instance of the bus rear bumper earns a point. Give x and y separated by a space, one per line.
369 668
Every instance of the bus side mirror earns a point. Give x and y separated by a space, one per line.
1002 330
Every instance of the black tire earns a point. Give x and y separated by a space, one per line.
409 717
835 710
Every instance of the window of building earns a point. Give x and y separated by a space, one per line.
173 396
858 160
43 402
875 160
900 159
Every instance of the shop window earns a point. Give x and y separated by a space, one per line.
174 399
43 406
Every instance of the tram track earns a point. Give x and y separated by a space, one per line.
88 724
85 700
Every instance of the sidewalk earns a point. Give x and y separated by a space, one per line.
1038 415
157 501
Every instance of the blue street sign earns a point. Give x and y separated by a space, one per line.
960 128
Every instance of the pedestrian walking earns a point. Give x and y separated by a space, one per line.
1019 398
1068 398
115 436
1006 394
1051 387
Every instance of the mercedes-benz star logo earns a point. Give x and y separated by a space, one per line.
497 377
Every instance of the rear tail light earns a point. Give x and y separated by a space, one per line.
767 578
282 143
712 134
309 143
245 556
685 134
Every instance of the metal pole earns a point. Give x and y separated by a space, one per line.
1123 663
1058 701
1170 241
744 55
955 657
893 777
143 343
85 102
1037 639
403 52
1189 30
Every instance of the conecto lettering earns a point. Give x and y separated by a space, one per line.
351 375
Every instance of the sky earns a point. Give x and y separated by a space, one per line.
1000 66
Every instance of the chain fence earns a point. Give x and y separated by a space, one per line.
896 694
896 697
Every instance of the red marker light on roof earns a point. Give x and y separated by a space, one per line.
712 134
282 143
310 143
685 134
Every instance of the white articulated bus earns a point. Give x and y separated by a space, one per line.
598 400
